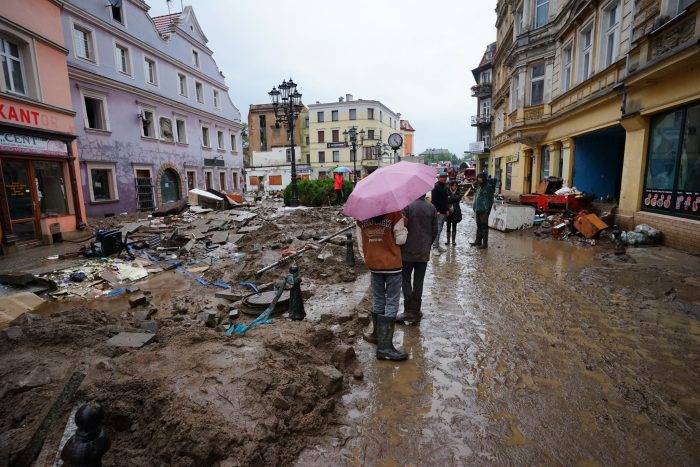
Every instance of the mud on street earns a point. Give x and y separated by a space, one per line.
535 352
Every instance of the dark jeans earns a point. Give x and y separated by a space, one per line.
338 196
451 229
386 291
415 291
482 228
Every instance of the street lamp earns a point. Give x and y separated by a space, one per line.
286 101
351 136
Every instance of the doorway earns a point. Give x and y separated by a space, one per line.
169 186
144 190
22 201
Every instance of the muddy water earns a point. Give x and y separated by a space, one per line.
529 354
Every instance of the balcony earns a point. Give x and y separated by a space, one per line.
481 90
481 120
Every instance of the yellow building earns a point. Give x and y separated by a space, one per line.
326 148
606 96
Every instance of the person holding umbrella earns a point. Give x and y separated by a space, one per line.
375 203
338 183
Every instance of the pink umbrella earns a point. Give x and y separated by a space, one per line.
389 189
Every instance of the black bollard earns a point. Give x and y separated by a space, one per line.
296 300
90 442
349 252
619 245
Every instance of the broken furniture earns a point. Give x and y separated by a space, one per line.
509 217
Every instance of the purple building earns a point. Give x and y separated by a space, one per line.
153 114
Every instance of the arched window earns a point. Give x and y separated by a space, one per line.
169 186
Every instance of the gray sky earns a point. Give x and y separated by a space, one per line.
415 56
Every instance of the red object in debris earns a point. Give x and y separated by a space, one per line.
555 203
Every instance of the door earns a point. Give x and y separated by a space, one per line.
21 199
144 190
529 166
169 186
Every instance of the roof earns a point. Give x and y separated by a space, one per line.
166 23
406 125
488 55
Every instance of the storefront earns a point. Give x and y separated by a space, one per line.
39 199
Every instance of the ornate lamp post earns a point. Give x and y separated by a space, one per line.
351 135
286 101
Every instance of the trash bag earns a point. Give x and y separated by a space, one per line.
634 238
653 235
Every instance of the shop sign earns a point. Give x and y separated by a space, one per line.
214 162
476 147
513 158
336 145
303 169
11 142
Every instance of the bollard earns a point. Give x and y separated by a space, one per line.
349 252
619 245
296 300
90 442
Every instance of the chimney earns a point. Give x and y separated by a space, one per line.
348 97
340 99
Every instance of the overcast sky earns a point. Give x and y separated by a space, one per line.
415 56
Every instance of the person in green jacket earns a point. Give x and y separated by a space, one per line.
483 201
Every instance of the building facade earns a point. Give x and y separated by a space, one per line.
154 117
328 123
40 197
605 96
483 76
408 133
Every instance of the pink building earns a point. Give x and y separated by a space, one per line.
40 196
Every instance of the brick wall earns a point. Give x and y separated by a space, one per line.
682 234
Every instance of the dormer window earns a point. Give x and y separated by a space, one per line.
116 11
195 58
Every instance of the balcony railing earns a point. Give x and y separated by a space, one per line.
481 90
481 119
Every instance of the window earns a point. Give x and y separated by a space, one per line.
321 136
191 180
182 84
537 84
222 181
334 115
195 58
11 58
353 155
181 127
233 143
322 175
276 180
336 156
208 177
95 111
679 5
509 175
116 11
381 116
370 134
234 177
307 140
485 108
611 18
50 187
586 43
335 136
673 168
514 93
486 77
353 114
320 118
84 46
566 58
370 114
166 129
541 12
220 140
544 163
205 137
103 183
123 59
518 24
486 137
148 129
199 91
308 159
288 154
151 71
215 97
321 156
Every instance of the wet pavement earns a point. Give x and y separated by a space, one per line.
535 352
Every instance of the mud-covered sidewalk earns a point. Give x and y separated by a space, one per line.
536 352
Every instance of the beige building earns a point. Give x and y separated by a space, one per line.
606 96
326 148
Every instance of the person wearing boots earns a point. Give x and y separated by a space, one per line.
379 241
454 212
483 201
415 254
338 187
439 199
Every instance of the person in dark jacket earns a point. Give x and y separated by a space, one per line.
415 254
439 199
454 214
483 201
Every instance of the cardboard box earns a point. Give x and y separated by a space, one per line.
590 225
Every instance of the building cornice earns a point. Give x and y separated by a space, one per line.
26 100
83 15
350 104
91 78
34 34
